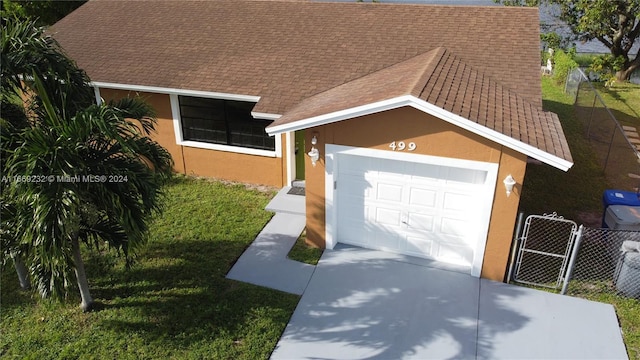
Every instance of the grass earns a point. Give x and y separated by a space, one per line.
578 192
174 303
624 101
303 252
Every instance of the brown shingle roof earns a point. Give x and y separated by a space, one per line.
441 79
287 51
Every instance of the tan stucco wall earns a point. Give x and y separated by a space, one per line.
433 137
204 162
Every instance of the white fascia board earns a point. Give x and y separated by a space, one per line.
173 91
493 135
343 115
96 93
409 100
265 116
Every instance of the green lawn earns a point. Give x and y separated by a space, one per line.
303 252
174 302
624 101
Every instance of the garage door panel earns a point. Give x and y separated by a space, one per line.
465 176
419 246
453 227
454 253
361 166
385 216
425 172
355 186
389 192
419 222
355 212
390 169
384 240
457 202
422 197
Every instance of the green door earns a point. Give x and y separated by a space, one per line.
300 151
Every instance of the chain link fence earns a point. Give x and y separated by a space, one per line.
615 146
552 252
607 261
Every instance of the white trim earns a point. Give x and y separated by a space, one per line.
409 100
177 128
174 91
363 110
332 153
265 116
96 93
290 150
233 149
175 113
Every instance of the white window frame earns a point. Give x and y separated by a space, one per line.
177 127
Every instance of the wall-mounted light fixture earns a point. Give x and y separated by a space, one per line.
509 183
314 154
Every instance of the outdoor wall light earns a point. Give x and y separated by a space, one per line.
509 183
314 154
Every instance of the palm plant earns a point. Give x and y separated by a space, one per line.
75 172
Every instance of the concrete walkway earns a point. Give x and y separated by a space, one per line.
265 261
366 304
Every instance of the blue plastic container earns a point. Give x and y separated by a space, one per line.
618 197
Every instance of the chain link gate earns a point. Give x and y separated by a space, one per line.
544 250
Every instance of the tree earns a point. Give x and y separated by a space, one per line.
73 172
44 12
614 23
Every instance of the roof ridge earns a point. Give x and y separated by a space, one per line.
428 70
509 91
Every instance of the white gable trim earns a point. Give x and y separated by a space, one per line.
409 100
173 91
265 116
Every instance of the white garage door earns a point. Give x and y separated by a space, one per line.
429 210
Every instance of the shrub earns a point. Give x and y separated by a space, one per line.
563 64
606 66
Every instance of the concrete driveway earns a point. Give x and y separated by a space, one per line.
364 304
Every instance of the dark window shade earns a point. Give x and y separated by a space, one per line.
225 122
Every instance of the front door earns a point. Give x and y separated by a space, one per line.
300 151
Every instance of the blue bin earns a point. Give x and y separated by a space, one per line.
618 197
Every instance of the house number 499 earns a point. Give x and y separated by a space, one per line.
400 146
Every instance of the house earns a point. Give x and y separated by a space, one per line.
405 121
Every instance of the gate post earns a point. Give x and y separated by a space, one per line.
515 247
572 261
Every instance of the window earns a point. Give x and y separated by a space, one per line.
225 122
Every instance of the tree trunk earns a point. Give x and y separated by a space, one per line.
23 273
81 276
625 74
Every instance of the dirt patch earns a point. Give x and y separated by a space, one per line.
591 219
260 188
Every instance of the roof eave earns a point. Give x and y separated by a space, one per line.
409 100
